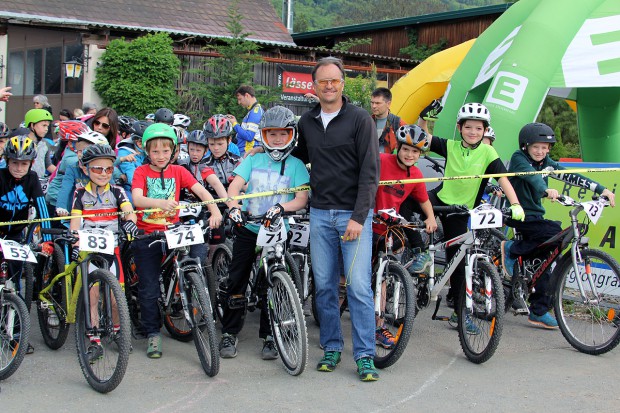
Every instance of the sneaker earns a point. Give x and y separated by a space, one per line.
546 320
420 263
270 352
471 328
450 301
384 338
95 352
329 361
228 346
52 319
154 349
508 263
366 369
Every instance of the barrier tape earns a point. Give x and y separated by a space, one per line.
307 188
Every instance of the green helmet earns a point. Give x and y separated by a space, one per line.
159 130
36 116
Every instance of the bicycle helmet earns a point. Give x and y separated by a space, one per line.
412 135
181 120
98 151
474 111
69 130
150 117
218 126
93 137
180 132
536 132
279 117
125 124
4 130
36 116
20 148
164 115
159 130
198 137
138 129
490 133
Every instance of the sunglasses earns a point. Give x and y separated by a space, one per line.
101 169
333 82
105 125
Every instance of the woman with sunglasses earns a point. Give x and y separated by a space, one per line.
105 122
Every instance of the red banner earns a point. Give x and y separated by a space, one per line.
295 82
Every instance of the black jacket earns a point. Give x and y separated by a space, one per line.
344 159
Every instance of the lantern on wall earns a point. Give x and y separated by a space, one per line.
73 68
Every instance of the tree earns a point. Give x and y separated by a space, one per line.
138 77
359 89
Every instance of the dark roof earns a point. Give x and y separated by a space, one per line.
405 21
204 18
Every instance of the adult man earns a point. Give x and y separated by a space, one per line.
340 141
247 132
387 123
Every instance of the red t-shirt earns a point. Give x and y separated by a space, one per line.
392 196
175 178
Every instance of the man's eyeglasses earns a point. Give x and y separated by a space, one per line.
101 169
105 125
333 82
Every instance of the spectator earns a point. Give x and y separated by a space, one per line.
89 108
387 123
65 114
78 113
105 122
248 134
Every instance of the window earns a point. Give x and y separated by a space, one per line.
73 52
34 60
15 73
53 70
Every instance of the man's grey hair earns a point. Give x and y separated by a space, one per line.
88 106
328 61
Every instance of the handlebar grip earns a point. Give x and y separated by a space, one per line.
449 209
53 231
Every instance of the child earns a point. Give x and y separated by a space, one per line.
410 144
38 122
4 137
99 197
218 131
535 142
158 185
268 171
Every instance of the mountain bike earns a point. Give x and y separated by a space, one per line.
14 317
586 281
270 280
480 311
185 304
72 292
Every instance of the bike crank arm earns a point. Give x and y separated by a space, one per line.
440 317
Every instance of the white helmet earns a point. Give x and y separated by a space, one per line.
181 120
474 111
93 137
489 133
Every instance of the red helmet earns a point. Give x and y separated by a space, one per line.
69 130
218 126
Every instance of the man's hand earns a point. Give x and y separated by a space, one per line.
5 94
431 224
236 217
354 229
231 118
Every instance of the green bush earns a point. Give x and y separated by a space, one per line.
138 77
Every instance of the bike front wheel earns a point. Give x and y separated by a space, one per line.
103 361
222 256
203 331
398 314
288 324
14 333
590 322
480 327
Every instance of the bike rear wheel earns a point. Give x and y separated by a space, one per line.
104 365
131 291
398 314
14 333
53 319
590 323
288 324
200 311
480 329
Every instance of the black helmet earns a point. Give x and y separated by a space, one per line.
125 124
164 115
535 132
138 129
198 137
4 130
217 126
279 117
20 148
97 151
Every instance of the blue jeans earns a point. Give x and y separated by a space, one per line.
327 226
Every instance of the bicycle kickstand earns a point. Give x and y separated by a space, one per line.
435 316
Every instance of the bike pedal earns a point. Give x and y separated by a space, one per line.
441 318
237 301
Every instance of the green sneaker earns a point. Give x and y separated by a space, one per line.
329 361
366 369
154 349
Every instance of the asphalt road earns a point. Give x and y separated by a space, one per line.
532 370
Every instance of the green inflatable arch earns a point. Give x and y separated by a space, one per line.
565 48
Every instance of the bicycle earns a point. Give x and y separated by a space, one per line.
270 280
480 310
63 293
587 306
185 303
14 317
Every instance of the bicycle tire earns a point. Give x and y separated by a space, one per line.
220 260
481 335
105 373
401 326
53 335
591 327
293 270
211 285
131 292
14 333
200 310
288 324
